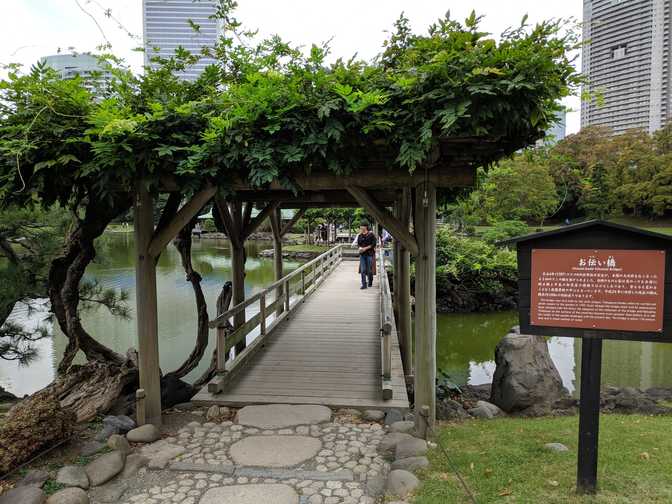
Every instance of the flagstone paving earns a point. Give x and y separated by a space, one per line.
308 459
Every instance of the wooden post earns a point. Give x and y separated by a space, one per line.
396 252
425 307
276 223
146 305
238 269
262 315
403 290
140 407
589 415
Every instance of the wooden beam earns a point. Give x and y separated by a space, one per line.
379 178
188 211
425 309
288 227
146 304
384 217
247 214
252 226
232 231
312 198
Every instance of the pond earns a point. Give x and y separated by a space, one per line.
465 345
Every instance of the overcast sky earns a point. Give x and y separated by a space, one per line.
30 29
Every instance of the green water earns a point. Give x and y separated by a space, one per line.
466 346
465 342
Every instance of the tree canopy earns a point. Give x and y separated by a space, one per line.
264 109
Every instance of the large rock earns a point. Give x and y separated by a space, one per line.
448 409
525 373
104 468
119 424
23 495
119 443
484 409
134 463
410 448
251 494
69 496
388 444
34 477
147 433
73 476
401 483
274 451
410 463
280 416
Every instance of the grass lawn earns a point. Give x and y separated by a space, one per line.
504 460
304 247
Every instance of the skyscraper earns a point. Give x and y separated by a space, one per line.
85 65
627 62
169 24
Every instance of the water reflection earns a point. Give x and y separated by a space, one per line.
114 267
466 345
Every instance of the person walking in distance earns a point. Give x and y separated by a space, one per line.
366 242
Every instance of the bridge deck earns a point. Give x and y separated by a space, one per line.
327 352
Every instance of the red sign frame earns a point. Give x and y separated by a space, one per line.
604 289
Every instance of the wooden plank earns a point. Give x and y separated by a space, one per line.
328 352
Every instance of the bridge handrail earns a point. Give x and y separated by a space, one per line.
282 305
221 319
387 324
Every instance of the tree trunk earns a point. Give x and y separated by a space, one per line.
65 275
183 244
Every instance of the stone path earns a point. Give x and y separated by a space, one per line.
282 454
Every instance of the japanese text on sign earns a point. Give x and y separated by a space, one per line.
598 289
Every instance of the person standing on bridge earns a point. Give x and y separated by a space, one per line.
366 241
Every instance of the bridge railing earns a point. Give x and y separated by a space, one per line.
278 300
387 328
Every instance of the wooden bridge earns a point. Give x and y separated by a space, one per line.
316 338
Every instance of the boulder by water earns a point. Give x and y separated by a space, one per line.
525 375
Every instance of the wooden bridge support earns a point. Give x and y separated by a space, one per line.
278 233
238 224
146 316
402 289
149 243
425 308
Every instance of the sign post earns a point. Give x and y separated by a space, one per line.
595 281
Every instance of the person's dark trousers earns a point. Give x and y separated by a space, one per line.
366 269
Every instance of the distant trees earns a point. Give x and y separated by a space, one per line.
590 174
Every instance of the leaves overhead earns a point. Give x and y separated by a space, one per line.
265 109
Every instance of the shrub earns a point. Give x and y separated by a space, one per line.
504 230
473 275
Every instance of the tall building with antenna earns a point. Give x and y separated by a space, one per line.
626 60
169 24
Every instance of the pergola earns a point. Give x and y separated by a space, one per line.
403 202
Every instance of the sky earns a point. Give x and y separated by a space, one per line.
30 29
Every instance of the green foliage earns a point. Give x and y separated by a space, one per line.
264 109
521 188
504 230
472 275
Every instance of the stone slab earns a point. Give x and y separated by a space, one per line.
287 474
251 494
280 416
274 451
193 467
